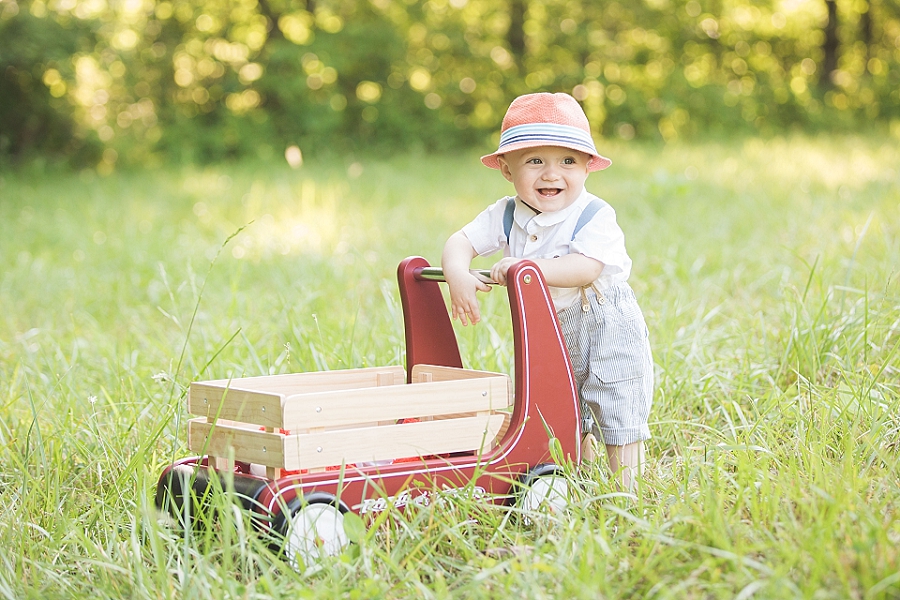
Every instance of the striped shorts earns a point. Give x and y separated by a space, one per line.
609 346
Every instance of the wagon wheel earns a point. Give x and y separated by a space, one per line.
312 528
542 487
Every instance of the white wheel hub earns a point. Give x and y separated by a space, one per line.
550 492
317 531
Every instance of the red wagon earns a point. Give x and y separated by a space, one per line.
301 450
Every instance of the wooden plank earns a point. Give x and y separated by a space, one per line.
327 448
212 401
349 407
223 464
441 373
258 400
250 445
507 420
272 472
425 377
314 381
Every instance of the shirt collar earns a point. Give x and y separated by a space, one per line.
525 213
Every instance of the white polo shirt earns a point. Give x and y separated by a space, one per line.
549 235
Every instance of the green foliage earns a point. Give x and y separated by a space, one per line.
212 80
766 270
35 64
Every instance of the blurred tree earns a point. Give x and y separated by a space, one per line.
213 79
865 27
830 45
35 72
515 35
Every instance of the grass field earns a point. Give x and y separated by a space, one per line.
767 271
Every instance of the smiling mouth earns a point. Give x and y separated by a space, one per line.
549 192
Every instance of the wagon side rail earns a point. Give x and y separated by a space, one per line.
259 400
454 411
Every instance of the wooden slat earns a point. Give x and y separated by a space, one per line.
223 464
507 419
441 373
422 372
258 400
260 447
328 448
349 407
212 401
315 381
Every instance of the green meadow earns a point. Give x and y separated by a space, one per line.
768 272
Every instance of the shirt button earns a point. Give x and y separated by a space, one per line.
533 238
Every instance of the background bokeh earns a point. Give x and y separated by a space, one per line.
106 82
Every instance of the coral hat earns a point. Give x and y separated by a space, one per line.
546 120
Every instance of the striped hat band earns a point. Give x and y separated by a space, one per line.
550 134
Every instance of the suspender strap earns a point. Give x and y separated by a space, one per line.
508 216
583 219
586 215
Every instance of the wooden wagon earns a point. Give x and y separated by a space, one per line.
301 450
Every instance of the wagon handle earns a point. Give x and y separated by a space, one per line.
437 274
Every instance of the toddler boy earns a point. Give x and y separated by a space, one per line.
547 152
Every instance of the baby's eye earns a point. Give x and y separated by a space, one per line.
534 161
569 160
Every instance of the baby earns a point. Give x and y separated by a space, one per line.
547 152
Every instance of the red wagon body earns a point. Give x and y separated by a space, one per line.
545 407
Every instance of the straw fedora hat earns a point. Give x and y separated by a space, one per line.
545 119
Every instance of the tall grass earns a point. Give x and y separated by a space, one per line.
768 273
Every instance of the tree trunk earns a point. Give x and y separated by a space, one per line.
865 28
830 45
515 37
265 9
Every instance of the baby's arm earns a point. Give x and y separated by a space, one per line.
456 259
569 271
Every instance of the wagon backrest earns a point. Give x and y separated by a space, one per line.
546 400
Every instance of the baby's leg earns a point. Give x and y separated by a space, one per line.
588 442
627 463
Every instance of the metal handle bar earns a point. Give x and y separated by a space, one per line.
437 274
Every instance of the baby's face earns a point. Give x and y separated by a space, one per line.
546 178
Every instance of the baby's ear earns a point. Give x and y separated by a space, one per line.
504 167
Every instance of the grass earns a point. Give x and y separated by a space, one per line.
767 270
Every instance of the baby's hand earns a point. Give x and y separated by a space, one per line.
498 271
463 303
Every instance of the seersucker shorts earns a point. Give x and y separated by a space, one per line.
609 347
